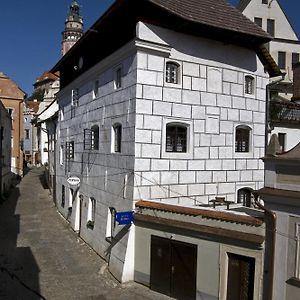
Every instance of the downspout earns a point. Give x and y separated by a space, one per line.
268 98
268 293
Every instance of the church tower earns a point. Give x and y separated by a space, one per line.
73 28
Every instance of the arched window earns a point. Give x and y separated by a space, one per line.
117 138
95 137
172 72
242 139
245 196
91 213
249 84
176 138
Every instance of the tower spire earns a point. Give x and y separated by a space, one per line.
73 28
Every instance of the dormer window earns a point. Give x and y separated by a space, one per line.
249 85
172 72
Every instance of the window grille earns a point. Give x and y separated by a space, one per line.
242 139
249 84
176 138
172 70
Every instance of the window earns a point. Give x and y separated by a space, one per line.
10 112
61 155
63 192
295 58
96 89
245 197
258 21
91 138
75 97
95 137
176 138
264 1
75 101
118 78
242 139
281 140
281 60
271 26
91 213
117 138
172 72
27 134
71 198
69 150
249 84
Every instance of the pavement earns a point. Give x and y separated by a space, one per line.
41 257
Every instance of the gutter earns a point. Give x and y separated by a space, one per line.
268 290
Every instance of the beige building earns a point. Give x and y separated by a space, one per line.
12 97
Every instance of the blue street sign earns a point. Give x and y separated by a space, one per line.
124 217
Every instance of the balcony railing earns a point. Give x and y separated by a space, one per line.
284 111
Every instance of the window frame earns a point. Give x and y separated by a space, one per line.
189 138
118 75
177 133
271 27
295 58
282 60
96 89
245 198
116 140
169 79
258 21
239 148
249 85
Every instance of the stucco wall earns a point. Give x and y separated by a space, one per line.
210 100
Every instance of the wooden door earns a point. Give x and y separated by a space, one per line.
160 272
173 268
183 270
240 282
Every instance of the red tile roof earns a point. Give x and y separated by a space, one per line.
215 13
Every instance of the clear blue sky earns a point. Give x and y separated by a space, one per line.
30 33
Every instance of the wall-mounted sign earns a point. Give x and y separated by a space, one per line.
73 180
124 217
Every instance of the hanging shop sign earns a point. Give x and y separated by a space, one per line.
73 180
124 217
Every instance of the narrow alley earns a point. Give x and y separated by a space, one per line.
41 255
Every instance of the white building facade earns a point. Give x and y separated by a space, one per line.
165 117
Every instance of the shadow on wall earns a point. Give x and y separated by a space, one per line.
19 272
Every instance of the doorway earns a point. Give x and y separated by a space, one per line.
240 283
173 268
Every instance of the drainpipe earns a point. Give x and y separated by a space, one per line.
268 98
268 291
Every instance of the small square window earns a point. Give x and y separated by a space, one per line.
258 21
264 1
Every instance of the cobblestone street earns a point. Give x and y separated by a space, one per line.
39 250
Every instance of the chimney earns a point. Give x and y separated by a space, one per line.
296 83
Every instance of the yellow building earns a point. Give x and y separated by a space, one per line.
12 98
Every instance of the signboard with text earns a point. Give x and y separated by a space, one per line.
124 217
73 180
